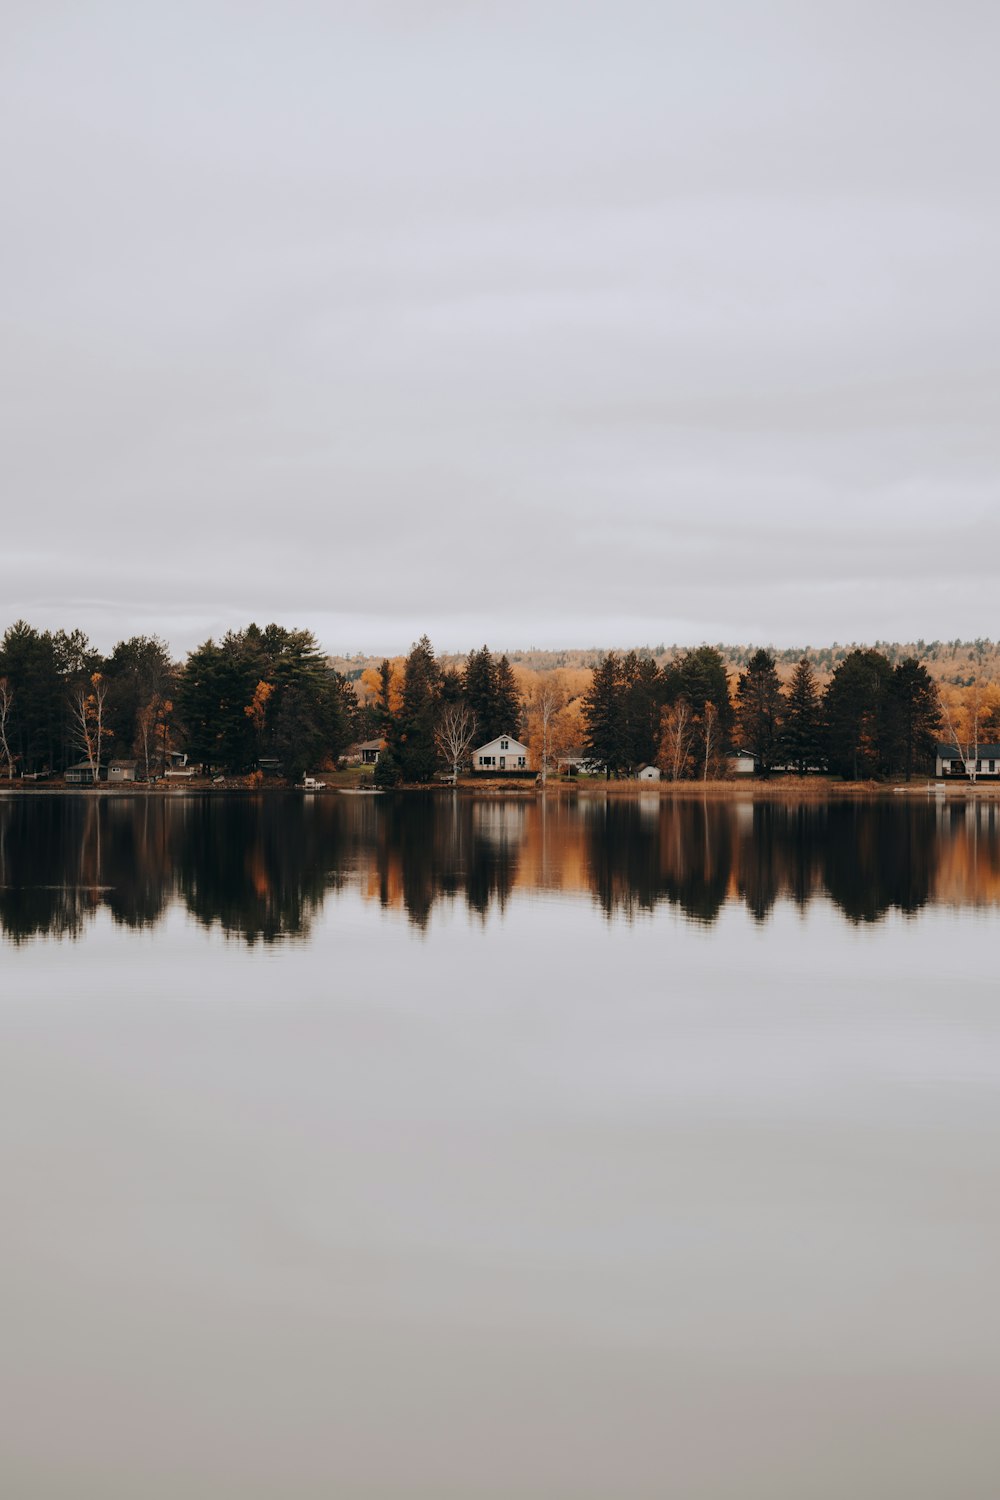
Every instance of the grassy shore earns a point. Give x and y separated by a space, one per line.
358 778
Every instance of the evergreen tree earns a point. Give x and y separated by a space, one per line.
479 685
604 717
801 736
37 732
506 700
855 715
260 692
914 716
699 678
758 709
643 691
136 670
411 740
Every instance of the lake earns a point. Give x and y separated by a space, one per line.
509 1148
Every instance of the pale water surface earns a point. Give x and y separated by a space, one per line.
473 1150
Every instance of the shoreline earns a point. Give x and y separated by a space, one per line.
786 789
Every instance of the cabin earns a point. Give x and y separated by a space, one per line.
740 763
949 761
648 773
505 753
82 774
369 751
122 770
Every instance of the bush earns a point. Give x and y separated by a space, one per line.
387 772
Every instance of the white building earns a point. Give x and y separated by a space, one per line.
951 763
505 753
649 773
740 763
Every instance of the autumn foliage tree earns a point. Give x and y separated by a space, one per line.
89 705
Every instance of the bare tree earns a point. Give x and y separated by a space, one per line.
676 744
6 704
152 739
968 748
88 721
544 707
454 735
709 729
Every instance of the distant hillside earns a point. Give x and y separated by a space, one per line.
949 661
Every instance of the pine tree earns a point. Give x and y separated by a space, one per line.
479 682
604 717
914 715
643 691
506 700
801 734
411 741
758 709
855 714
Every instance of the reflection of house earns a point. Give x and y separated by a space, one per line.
370 750
82 774
951 762
502 754
121 770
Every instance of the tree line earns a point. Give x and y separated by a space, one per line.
269 696
872 720
257 693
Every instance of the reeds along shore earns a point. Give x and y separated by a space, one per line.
783 789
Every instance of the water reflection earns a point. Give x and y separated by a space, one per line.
261 868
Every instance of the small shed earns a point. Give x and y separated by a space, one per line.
81 774
649 773
740 763
370 750
505 753
122 770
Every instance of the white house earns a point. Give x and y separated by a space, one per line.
649 773
951 763
505 753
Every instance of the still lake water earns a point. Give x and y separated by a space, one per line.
482 1149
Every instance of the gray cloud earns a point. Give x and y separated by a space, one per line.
556 324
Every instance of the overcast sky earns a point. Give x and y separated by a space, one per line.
541 323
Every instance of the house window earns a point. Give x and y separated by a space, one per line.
520 762
504 745
993 765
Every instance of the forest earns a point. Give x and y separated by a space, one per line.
268 698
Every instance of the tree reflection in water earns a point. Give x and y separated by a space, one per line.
260 868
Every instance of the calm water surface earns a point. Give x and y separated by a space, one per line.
446 1148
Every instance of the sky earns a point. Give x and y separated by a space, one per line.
551 324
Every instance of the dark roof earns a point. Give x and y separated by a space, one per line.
951 751
372 745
